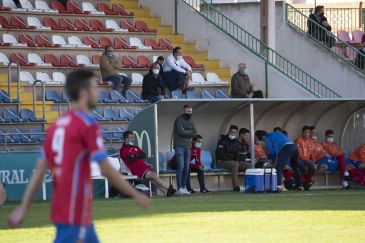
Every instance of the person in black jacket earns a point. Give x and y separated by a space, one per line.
152 88
360 59
315 22
227 154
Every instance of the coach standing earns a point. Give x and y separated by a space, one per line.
184 131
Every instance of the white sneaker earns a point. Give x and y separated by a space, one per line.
183 191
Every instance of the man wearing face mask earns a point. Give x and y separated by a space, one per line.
228 154
110 69
184 131
317 26
174 69
134 157
152 89
241 86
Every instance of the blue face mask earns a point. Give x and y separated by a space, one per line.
109 53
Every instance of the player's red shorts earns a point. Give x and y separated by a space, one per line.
139 168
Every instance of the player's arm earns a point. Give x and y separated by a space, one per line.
122 185
17 216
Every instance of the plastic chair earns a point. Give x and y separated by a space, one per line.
111 115
137 78
96 24
103 7
42 5
152 43
111 24
4 59
44 77
129 62
89 7
37 137
84 60
19 22
27 40
88 40
66 23
116 96
26 77
10 39
133 97
19 137
214 78
177 95
29 7
43 41
52 95
10 115
133 41
141 25
75 8
119 42
33 21
207 95
189 60
125 115
50 22
357 36
75 41
20 60
142 60
50 58
220 94
103 97
59 6
29 116
127 25
193 95
118 8
34 58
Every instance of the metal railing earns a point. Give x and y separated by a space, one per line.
325 38
10 65
348 19
254 45
43 98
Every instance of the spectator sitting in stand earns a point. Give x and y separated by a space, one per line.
152 88
241 86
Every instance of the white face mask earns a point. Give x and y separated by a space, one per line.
314 137
232 137
198 145
245 71
156 71
131 143
179 58
330 140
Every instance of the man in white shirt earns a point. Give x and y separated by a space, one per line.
174 69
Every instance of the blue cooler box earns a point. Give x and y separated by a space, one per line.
254 180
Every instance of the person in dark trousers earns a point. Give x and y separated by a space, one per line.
184 131
160 60
152 88
228 155
241 86
285 151
360 59
195 165
317 25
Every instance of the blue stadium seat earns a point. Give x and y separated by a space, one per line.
10 115
207 95
193 95
105 134
161 161
4 98
110 114
117 134
52 95
220 94
117 97
104 97
94 114
19 137
4 137
37 137
125 114
29 116
177 94
133 97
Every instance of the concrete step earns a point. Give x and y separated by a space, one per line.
173 38
140 12
209 64
126 4
164 30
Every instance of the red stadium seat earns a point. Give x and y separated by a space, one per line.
164 42
105 41
50 58
96 24
103 7
43 41
59 6
95 59
82 25
129 62
2 8
127 25
152 43
189 60
16 57
66 23
75 8
67 59
121 43
92 42
5 24
19 22
118 8
345 37
141 25
50 22
26 39
142 60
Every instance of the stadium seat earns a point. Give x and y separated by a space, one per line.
84 60
164 42
141 25
110 114
357 36
213 78
103 7
207 95
94 114
33 21
44 77
345 37
11 40
82 25
39 4
116 96
59 77
6 25
66 23
68 60
59 6
117 134
75 8
193 95
133 97
4 59
118 8
86 6
96 24
50 22
50 58
121 43
220 94
152 43
5 138
127 25
103 97
59 40
52 95
4 97
10 115
34 58
88 40
198 78
26 77
129 62
105 41
143 60
43 41
137 78
111 24
10 4
29 116
338 51
19 137
75 41
95 59
107 136
29 7
189 60
177 95
125 114
26 39
37 135
16 57
19 22
133 41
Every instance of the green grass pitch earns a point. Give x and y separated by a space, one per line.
313 216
